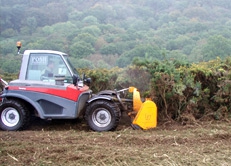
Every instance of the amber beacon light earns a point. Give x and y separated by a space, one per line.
19 45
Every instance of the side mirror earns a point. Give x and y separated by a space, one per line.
86 80
75 79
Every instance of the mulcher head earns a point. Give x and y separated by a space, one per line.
144 114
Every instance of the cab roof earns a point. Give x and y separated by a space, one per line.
43 51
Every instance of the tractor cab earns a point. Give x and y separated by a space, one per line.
47 66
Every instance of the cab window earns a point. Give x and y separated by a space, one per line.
44 67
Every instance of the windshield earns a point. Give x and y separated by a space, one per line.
48 66
72 67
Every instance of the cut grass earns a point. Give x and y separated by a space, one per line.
68 143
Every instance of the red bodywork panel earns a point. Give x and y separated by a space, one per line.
71 92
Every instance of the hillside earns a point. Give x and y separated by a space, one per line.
104 34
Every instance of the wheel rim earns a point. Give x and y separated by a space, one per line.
101 117
10 117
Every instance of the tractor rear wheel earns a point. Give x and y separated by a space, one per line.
102 115
13 115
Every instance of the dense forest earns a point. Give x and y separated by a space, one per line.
176 52
105 34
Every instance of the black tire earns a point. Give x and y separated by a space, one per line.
102 115
13 115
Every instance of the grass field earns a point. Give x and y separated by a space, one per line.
71 143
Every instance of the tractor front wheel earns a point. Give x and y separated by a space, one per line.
13 115
102 115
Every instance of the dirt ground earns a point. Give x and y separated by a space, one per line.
72 143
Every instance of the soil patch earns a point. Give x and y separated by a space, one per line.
65 142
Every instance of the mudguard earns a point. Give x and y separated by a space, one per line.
99 97
109 95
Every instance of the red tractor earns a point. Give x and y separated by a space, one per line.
49 87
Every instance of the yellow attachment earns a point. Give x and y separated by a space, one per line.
146 118
136 99
145 113
131 88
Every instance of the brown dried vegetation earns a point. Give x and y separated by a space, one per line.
71 143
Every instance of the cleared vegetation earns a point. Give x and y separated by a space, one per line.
71 143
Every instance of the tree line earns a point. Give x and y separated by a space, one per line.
105 34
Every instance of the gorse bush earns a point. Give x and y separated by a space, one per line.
188 93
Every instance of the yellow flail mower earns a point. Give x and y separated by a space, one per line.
144 114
